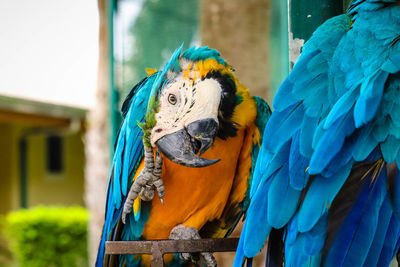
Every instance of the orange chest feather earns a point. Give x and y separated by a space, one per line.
194 196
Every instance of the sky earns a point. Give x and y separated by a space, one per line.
49 50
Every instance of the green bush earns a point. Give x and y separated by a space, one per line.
48 236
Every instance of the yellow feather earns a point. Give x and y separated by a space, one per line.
244 113
256 136
150 71
136 205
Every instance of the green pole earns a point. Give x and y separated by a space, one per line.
22 172
115 116
304 18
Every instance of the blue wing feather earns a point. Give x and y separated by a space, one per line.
298 165
354 239
319 196
385 215
282 198
253 238
338 109
391 243
128 154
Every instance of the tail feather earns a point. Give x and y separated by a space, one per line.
255 237
275 255
318 198
385 215
351 245
282 199
390 247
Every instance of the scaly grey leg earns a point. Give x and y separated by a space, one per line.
149 177
147 192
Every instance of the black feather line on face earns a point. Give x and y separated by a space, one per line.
227 104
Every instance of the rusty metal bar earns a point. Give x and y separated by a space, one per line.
172 246
157 248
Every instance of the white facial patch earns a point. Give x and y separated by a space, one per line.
184 101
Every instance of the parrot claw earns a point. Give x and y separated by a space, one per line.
146 182
147 192
181 232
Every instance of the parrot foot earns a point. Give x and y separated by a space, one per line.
146 182
181 232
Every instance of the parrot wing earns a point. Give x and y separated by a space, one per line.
127 157
362 130
297 109
338 107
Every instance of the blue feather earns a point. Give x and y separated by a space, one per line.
281 126
352 243
385 215
300 72
342 158
308 127
391 243
365 143
260 169
306 245
284 98
390 148
282 199
319 196
297 165
330 143
292 231
278 160
256 235
341 107
369 100
315 239
338 107
202 53
239 256
118 183
293 255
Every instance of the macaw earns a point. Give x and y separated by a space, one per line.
194 106
326 186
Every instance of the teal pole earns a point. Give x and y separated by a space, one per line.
304 18
279 56
115 116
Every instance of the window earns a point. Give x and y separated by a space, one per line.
54 149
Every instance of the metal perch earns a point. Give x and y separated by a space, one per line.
157 248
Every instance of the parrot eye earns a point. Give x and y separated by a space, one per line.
172 99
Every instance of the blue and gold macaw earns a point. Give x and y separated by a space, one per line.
326 188
195 105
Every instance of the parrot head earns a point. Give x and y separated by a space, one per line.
191 103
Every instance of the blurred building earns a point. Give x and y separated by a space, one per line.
48 80
42 154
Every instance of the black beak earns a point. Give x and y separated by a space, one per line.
203 131
181 146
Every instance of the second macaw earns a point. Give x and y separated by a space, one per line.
194 106
326 189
